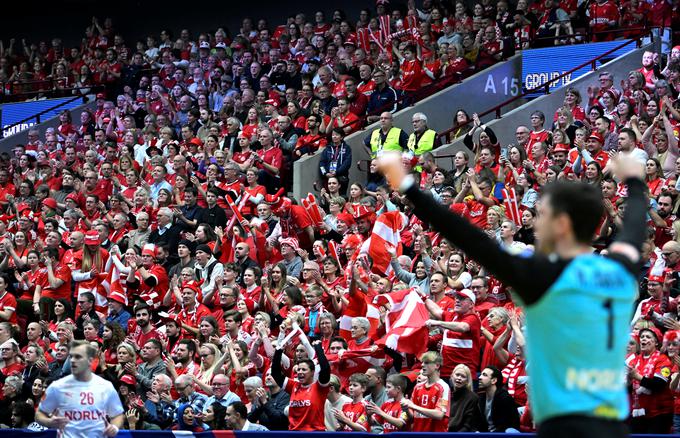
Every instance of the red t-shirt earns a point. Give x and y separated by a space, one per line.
435 396
9 302
412 75
62 272
306 408
393 409
461 347
356 412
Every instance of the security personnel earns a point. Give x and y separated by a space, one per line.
423 139
386 138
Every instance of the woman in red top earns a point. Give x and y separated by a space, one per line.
15 254
255 191
356 192
244 158
307 393
252 290
112 335
249 129
27 280
239 368
654 176
296 118
63 312
493 326
649 373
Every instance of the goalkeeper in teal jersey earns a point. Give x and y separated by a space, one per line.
578 304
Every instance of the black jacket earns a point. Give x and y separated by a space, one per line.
465 413
271 414
504 413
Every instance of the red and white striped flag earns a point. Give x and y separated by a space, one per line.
405 329
385 26
385 232
511 206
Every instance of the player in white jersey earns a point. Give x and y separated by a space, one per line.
82 405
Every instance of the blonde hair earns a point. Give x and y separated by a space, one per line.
468 375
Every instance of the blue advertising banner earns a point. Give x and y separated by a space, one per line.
11 113
540 66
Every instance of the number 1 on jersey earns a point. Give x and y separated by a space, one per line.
610 322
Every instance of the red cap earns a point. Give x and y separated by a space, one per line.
597 136
192 285
655 279
272 102
363 212
22 206
197 141
149 249
655 331
346 218
92 238
561 147
128 380
51 203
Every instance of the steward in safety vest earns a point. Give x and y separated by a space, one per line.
387 138
423 139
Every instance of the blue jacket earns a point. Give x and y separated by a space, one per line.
340 156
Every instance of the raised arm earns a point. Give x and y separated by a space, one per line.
530 277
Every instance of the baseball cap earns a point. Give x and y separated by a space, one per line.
467 293
204 45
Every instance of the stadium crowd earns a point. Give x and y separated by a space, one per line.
157 227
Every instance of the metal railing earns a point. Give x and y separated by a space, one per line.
544 88
37 116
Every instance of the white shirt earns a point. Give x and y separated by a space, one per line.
85 404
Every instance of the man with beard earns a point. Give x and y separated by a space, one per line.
144 330
182 360
663 219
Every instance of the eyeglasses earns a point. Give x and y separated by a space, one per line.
206 355
667 254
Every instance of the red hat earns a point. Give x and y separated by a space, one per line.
192 285
73 196
128 380
197 141
351 241
51 203
272 102
250 305
346 218
22 206
149 249
119 297
363 212
655 279
561 147
655 331
671 335
101 96
467 293
597 136
290 241
280 204
92 238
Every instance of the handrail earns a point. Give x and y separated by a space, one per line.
37 116
545 87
